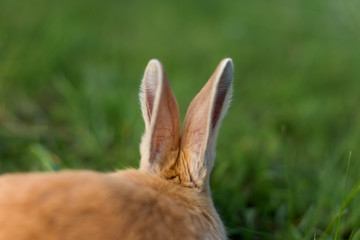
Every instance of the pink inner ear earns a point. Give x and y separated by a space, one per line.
219 102
222 89
149 102
151 85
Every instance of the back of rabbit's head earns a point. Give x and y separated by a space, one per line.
185 159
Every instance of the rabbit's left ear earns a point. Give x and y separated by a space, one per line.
162 121
201 125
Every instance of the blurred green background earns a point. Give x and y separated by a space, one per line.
69 79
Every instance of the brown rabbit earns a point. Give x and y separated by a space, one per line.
167 198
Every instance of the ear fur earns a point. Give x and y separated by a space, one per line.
160 142
201 126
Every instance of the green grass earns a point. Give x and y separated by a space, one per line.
70 73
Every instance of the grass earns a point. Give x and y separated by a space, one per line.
346 181
70 73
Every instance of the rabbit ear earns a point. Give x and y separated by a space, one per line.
202 122
162 121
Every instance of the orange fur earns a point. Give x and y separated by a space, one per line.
165 199
90 205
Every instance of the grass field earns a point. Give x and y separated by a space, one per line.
70 73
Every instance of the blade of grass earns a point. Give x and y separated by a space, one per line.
345 204
353 232
343 196
44 156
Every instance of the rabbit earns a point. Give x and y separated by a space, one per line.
168 197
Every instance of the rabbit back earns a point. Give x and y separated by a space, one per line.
90 205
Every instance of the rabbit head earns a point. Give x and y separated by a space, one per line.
168 198
186 159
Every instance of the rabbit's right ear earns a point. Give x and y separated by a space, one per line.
160 142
